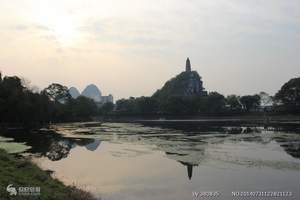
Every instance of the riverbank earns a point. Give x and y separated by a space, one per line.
212 120
22 173
245 116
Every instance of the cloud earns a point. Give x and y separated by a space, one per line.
40 27
227 39
20 27
26 27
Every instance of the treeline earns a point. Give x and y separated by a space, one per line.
212 103
286 101
21 106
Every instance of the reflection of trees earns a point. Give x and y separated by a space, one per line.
189 147
61 147
81 141
51 144
291 145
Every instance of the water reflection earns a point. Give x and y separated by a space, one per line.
129 159
51 144
191 146
93 145
189 168
187 146
291 145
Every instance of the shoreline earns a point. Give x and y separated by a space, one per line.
240 120
21 172
258 119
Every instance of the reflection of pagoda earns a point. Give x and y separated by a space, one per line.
189 169
290 145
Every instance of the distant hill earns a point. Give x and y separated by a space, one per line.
187 83
92 91
74 92
184 84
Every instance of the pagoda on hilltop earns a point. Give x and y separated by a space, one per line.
188 67
186 84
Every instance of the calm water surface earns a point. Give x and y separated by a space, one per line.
135 162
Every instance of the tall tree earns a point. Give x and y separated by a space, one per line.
57 92
107 108
233 102
250 102
265 99
215 102
82 108
289 94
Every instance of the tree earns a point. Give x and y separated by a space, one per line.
57 93
174 105
289 95
233 102
11 95
81 108
12 84
266 101
250 102
180 86
107 108
19 105
215 102
126 106
146 105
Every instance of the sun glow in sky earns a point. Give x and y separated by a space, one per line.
62 28
131 47
57 23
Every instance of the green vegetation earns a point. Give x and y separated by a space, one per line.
22 173
170 100
173 105
289 96
20 106
182 95
250 102
177 86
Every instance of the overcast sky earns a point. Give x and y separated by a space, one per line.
131 47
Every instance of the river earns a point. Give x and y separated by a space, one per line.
131 161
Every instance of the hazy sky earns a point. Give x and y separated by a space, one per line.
131 47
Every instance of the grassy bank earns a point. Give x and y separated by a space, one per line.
22 173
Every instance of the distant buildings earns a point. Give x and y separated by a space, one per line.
106 99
